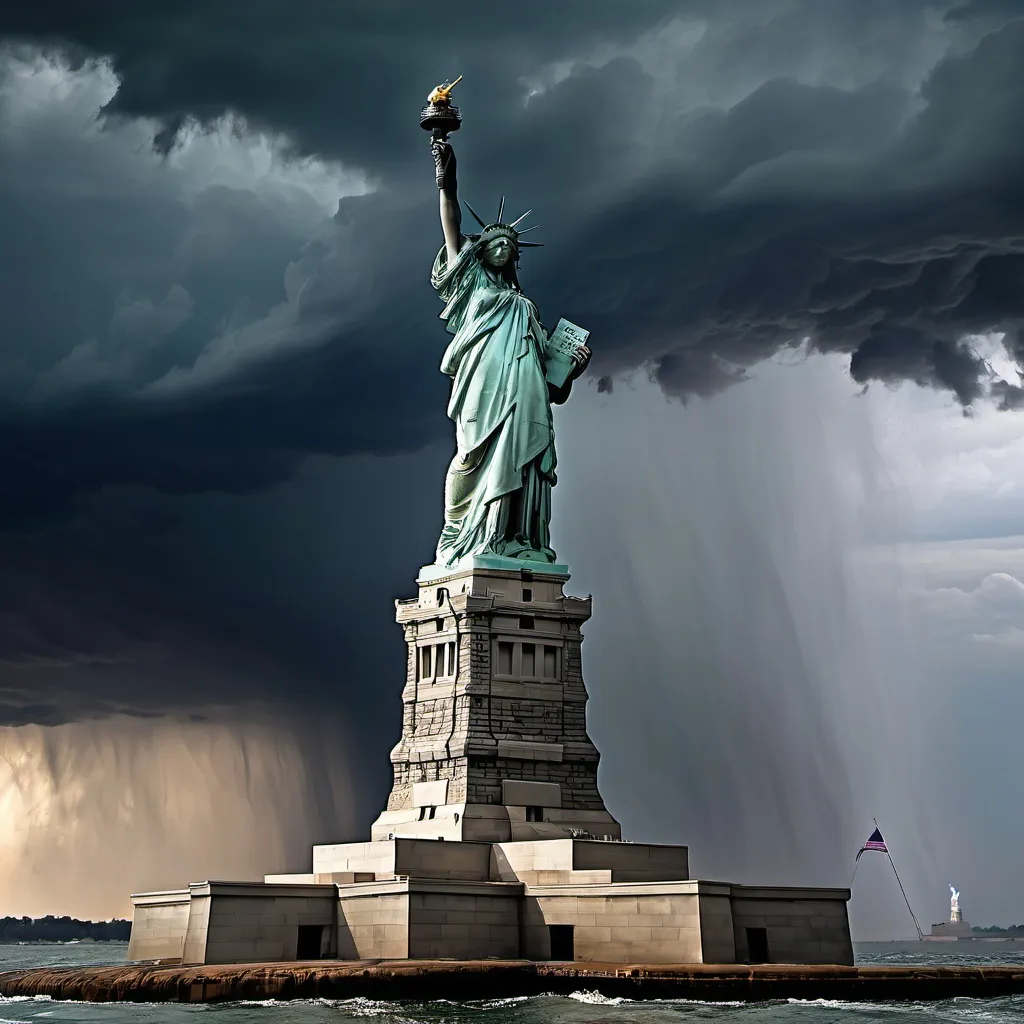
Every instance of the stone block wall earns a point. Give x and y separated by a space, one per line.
578 780
617 928
257 928
428 858
799 931
378 858
465 927
386 859
158 928
373 927
634 862
194 951
511 861
575 858
717 934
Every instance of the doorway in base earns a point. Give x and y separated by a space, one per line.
757 946
309 942
562 944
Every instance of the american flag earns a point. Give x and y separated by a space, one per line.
875 842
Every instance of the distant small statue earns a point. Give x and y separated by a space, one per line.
954 903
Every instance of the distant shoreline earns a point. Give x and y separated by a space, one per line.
987 939
60 942
50 929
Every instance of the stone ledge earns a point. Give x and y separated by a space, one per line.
163 898
248 888
432 979
491 565
406 884
686 887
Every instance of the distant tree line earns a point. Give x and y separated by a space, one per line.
61 929
1014 929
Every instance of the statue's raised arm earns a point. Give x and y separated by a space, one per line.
451 215
440 118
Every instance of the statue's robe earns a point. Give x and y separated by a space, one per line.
498 487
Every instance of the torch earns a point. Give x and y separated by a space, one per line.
439 117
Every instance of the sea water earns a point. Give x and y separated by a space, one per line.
580 1008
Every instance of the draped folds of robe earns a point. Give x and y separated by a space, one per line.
498 487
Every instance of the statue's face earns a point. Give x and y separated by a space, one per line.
498 251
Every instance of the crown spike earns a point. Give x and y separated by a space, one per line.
522 218
532 245
501 210
530 228
475 214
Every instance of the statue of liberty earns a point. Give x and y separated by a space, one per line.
497 493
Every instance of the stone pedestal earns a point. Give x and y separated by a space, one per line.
494 742
495 841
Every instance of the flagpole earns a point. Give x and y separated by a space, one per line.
917 924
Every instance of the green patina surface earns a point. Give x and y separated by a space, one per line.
498 486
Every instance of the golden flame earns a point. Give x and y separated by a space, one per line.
443 93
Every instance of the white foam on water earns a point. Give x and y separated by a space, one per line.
597 999
852 1004
359 1006
960 1008
701 1002
490 1004
836 1004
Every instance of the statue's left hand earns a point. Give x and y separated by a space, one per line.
582 358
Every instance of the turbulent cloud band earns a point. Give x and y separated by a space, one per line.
713 192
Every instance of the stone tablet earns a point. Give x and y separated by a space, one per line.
564 341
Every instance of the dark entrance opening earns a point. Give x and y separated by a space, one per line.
307 945
757 946
562 946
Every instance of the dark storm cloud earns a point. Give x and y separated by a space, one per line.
337 75
999 10
810 211
715 182
878 217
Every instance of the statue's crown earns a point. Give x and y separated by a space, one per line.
498 229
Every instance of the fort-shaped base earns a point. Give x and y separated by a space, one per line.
547 900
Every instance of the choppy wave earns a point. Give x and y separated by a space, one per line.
597 999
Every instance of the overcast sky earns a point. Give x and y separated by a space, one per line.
792 479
